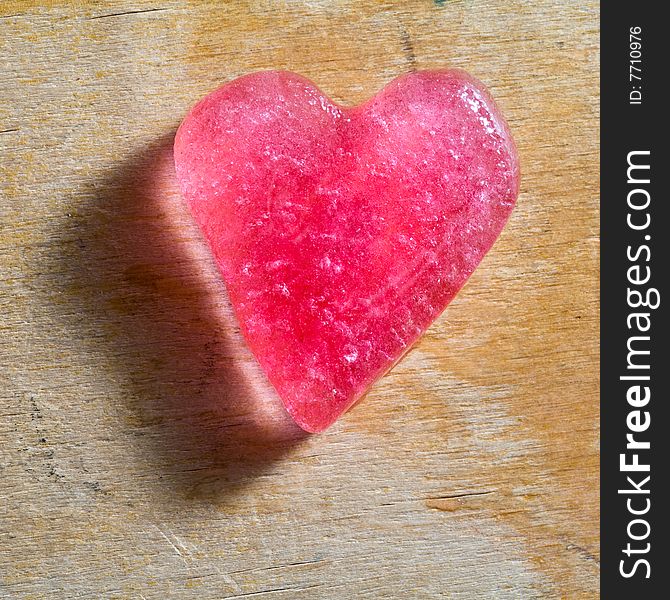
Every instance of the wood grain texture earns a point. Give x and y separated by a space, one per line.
142 454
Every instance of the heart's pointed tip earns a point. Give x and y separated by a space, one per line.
312 429
310 421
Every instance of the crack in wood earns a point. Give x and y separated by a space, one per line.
273 567
462 495
455 502
295 564
583 552
408 48
128 12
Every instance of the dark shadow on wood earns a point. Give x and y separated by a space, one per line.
142 292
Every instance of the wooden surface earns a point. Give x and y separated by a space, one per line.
142 454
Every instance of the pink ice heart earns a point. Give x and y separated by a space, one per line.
342 233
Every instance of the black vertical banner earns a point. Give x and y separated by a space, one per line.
635 360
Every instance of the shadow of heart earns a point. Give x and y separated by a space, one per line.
197 402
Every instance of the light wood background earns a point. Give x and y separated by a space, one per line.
142 454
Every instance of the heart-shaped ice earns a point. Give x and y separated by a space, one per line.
342 233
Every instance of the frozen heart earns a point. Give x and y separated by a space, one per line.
342 233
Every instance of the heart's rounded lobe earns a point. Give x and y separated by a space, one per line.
342 233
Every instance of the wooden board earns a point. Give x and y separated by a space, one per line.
143 455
